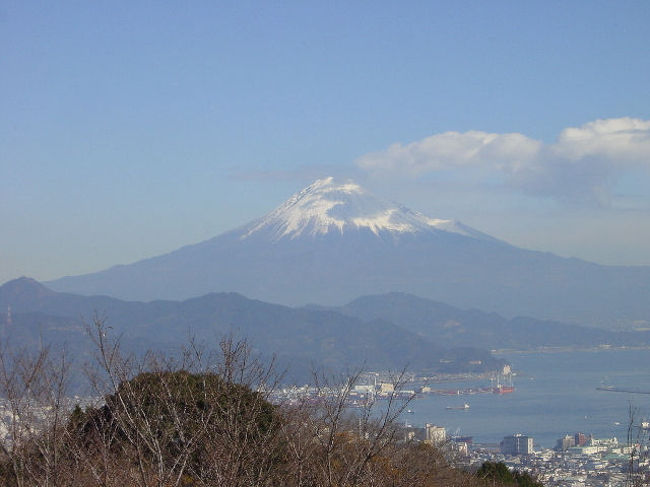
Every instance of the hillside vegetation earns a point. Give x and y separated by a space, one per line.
202 419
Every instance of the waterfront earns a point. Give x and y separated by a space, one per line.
555 394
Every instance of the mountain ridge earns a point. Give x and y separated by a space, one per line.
382 331
451 326
337 244
295 335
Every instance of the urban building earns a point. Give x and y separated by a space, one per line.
435 435
581 439
565 443
517 444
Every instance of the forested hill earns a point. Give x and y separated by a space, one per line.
301 338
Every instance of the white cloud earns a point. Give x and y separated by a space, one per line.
620 140
453 149
582 165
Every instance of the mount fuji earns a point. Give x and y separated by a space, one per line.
334 241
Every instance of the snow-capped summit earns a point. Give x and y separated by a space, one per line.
328 206
334 241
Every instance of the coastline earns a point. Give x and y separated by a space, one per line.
569 348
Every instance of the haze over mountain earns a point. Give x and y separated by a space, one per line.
333 242
378 332
449 326
299 337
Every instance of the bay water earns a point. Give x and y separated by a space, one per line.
555 394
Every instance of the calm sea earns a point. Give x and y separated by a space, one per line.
555 395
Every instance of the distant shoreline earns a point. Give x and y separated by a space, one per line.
541 350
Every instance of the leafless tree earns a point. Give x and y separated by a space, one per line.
244 447
33 391
219 431
638 441
332 444
201 418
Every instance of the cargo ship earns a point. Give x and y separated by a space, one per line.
456 408
504 382
629 390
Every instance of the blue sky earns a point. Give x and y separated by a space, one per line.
129 129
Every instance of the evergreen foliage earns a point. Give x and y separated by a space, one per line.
498 471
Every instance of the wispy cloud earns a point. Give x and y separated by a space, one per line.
582 165
303 173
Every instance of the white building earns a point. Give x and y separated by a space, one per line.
435 435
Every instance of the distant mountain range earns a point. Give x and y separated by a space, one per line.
453 327
300 338
333 242
377 332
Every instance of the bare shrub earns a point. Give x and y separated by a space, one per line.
201 418
33 417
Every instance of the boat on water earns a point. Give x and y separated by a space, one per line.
462 408
504 383
629 390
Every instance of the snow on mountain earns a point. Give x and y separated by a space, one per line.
327 206
334 241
